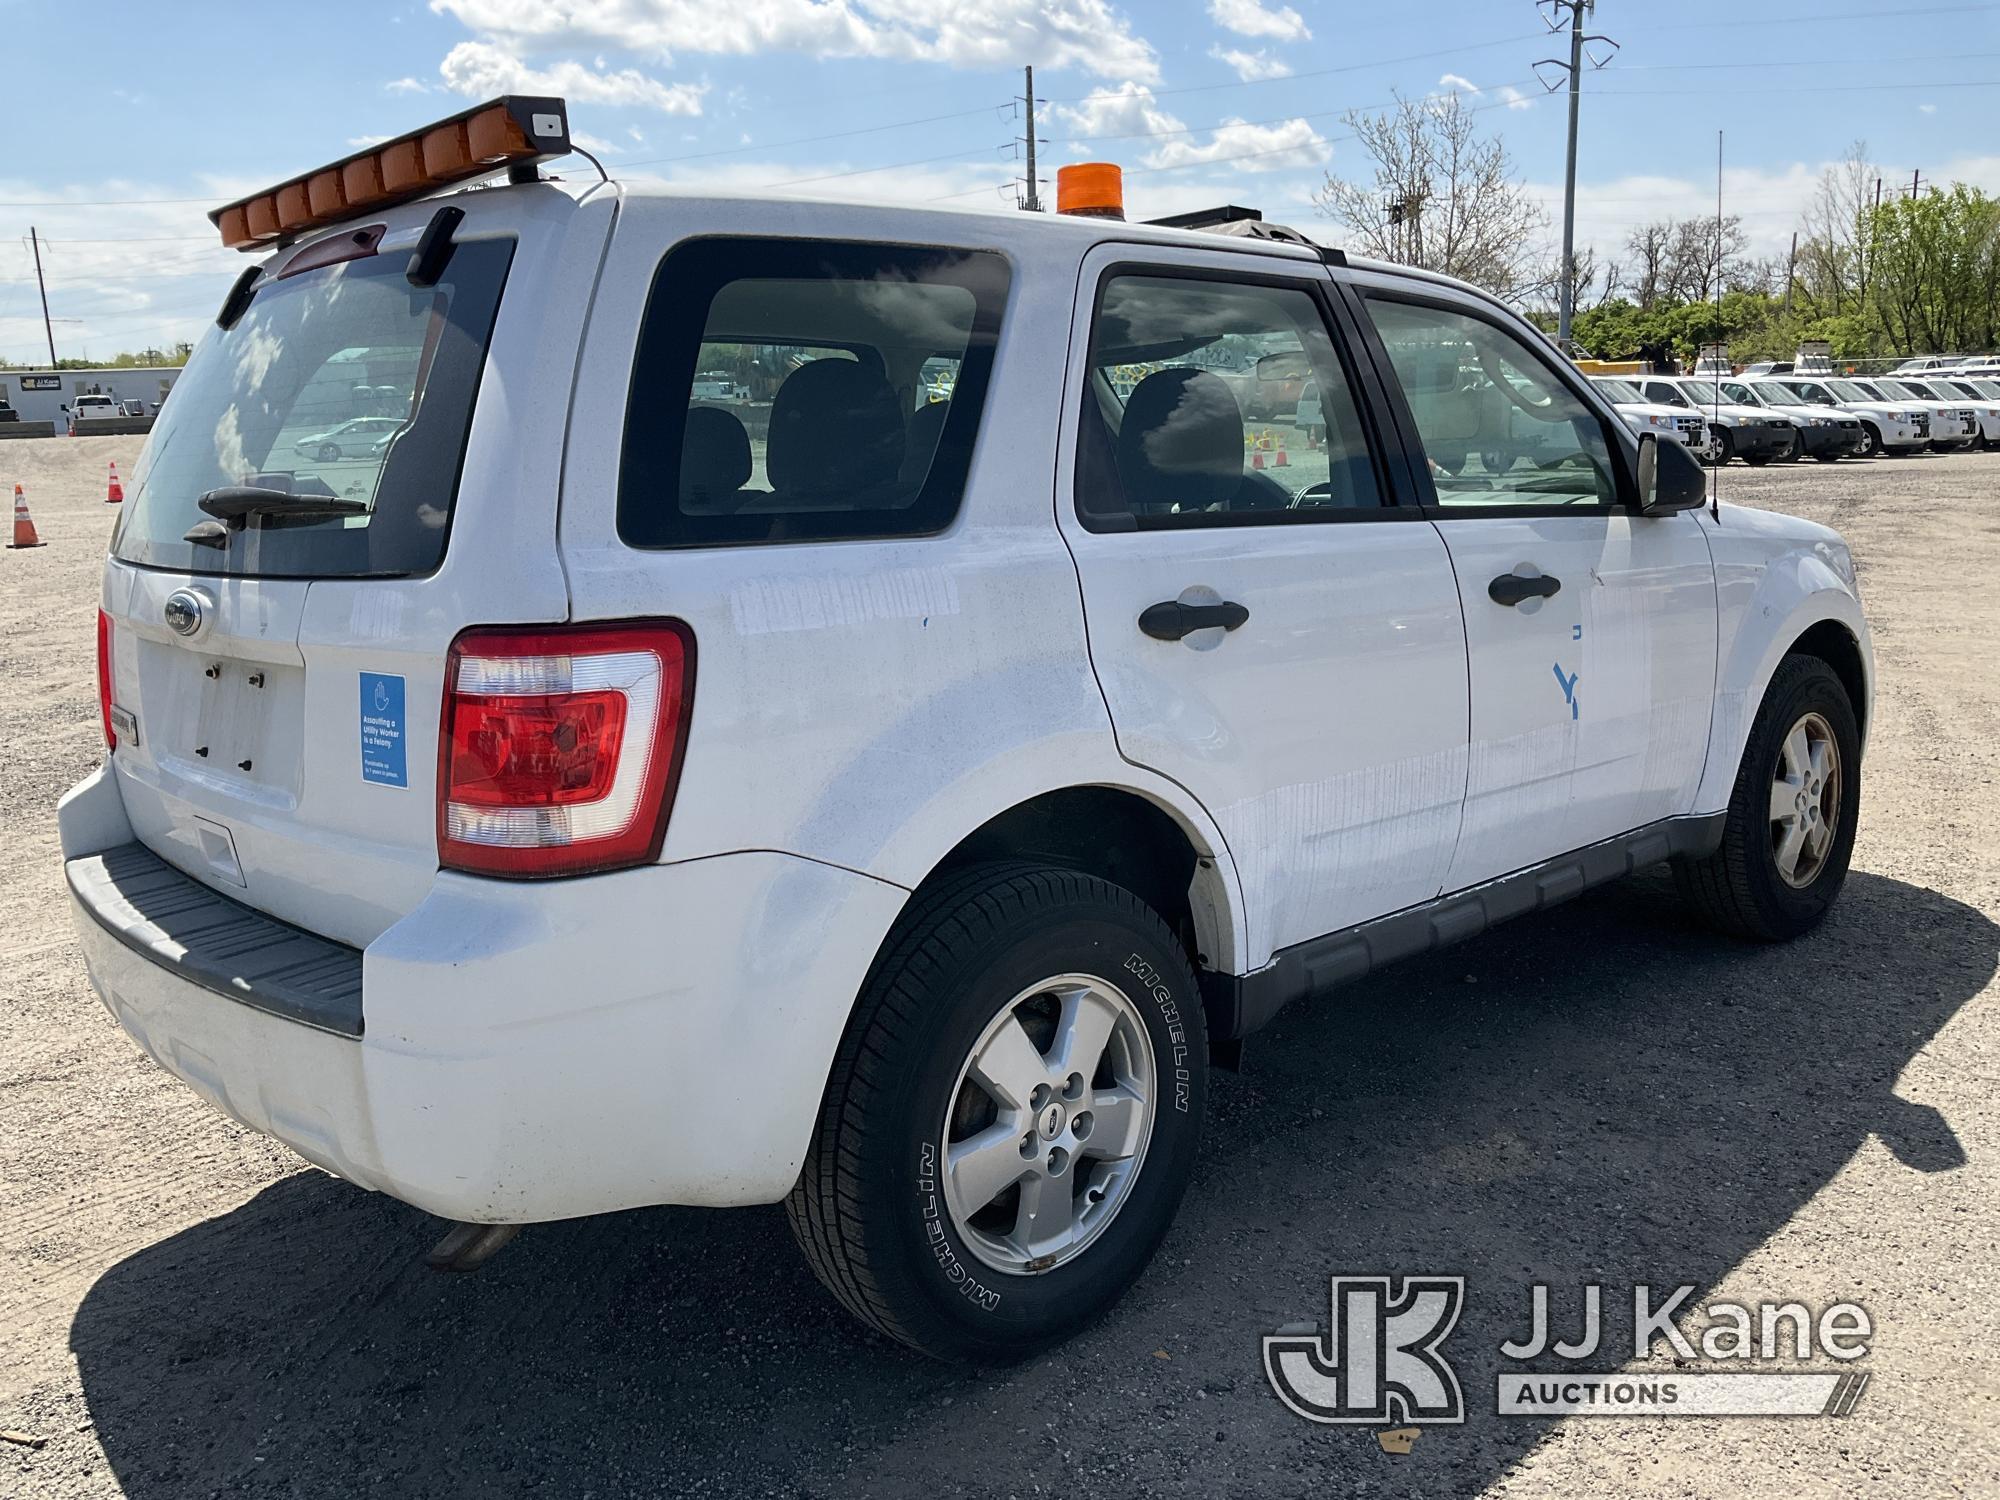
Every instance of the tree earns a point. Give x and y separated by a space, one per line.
1935 281
1675 260
1647 245
1442 196
1832 268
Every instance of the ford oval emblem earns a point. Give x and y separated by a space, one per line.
183 611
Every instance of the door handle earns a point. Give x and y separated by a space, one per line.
1170 619
1512 588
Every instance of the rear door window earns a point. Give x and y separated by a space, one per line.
797 390
1214 402
344 383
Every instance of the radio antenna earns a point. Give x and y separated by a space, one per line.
1715 408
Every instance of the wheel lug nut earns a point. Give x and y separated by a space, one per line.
1028 1145
1058 1159
1080 1126
1039 1097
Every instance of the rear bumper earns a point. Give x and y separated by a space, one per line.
523 1051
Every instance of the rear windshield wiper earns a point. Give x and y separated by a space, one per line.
235 504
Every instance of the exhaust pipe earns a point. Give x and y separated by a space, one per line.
467 1247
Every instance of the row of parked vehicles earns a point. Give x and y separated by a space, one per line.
1763 418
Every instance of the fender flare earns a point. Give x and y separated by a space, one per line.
998 786
1796 592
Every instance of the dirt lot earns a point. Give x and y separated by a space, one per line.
1601 1094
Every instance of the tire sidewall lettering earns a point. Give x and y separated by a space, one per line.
1170 1016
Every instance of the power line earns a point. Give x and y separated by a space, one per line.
810 140
1380 62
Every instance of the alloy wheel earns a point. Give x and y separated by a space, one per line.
1805 800
1048 1123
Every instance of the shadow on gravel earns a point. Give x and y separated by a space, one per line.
1616 1097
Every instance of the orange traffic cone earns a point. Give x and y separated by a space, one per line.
115 492
24 527
1256 458
1282 461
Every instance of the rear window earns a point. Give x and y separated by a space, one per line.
799 390
344 383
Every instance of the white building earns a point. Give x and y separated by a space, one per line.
40 395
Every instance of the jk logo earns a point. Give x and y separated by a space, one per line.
1380 1362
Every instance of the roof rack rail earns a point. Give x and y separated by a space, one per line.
1202 218
1247 223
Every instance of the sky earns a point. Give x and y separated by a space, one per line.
128 121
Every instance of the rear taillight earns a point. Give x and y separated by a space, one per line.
104 678
559 746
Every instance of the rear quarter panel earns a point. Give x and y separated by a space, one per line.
867 703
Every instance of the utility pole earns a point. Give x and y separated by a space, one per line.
1791 261
1032 202
1577 10
47 326
1868 253
1915 178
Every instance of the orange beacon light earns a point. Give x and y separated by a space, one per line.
1091 189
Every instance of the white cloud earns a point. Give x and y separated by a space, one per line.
478 69
140 275
1507 94
406 86
359 141
1130 111
1928 109
1250 18
1087 34
1251 65
1770 200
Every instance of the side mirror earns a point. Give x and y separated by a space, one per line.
1286 365
1670 478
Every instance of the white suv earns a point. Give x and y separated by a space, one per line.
1755 434
1886 426
1676 423
887 806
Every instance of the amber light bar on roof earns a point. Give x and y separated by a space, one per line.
512 131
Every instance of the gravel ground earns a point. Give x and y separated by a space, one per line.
1604 1093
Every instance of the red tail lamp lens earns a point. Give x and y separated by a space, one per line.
535 752
104 678
560 746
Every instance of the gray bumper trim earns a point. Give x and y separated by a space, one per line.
222 945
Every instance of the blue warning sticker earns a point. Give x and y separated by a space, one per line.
382 751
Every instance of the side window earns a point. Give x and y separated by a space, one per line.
1498 426
1215 403
793 390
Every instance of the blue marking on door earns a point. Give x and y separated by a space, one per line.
1568 686
383 754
